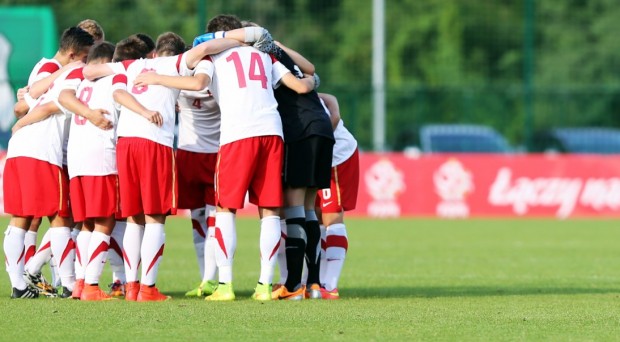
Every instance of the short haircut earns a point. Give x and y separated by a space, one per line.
150 44
247 23
92 27
130 48
74 39
102 50
223 22
169 44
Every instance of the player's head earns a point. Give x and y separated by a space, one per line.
169 44
100 53
247 23
150 44
223 22
92 27
131 47
74 44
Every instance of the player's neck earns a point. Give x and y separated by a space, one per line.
62 59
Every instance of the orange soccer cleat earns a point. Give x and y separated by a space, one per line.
77 289
151 294
131 290
94 293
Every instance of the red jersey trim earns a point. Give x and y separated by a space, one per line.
49 67
127 63
179 63
119 78
76 74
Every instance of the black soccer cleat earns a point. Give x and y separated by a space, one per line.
66 293
27 293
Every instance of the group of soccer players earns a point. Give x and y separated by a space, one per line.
93 151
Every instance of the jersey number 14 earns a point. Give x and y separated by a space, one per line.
257 69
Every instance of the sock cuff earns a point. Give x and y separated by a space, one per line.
29 232
337 229
59 230
311 215
271 218
15 230
131 225
294 212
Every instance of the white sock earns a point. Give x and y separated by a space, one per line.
323 255
226 237
63 251
335 253
270 235
82 241
97 253
282 253
210 272
30 245
42 256
199 235
152 251
132 243
115 252
14 255
75 231
54 272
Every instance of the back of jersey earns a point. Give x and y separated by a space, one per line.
152 97
242 82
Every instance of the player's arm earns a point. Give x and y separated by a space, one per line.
299 85
301 61
37 114
195 54
92 72
197 82
39 87
68 100
127 100
20 108
331 102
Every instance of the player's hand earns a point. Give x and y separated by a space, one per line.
154 117
265 44
146 78
21 92
97 118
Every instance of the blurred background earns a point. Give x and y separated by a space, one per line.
518 70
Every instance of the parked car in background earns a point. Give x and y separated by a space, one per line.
462 138
590 140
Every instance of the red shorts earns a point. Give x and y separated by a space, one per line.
342 193
35 188
251 165
146 177
196 173
94 196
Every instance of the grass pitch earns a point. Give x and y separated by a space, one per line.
472 280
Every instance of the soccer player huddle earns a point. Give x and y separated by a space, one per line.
92 151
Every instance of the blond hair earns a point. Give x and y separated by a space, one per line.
92 27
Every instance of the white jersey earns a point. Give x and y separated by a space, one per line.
92 151
43 140
345 142
41 70
152 97
241 81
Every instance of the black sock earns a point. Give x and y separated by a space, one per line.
295 251
313 252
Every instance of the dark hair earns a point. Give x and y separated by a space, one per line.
223 22
74 39
101 50
169 44
150 44
131 47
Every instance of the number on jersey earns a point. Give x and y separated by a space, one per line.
84 97
256 62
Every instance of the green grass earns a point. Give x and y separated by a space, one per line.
477 280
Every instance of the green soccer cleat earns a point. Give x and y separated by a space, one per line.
224 292
205 288
262 292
